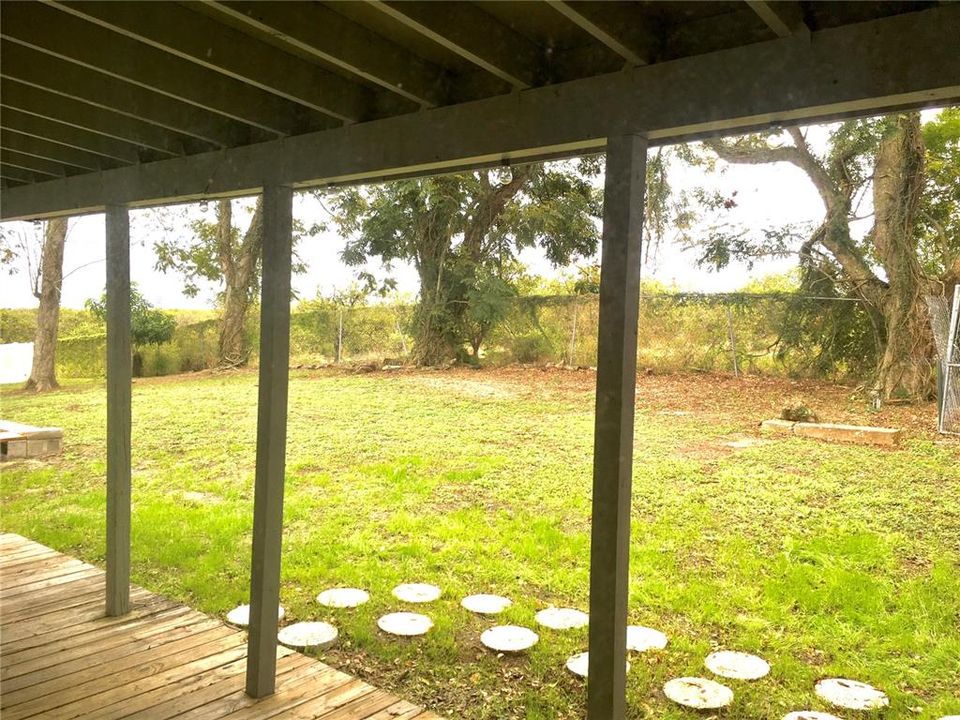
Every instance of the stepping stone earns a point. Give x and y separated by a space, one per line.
851 694
641 639
562 618
737 665
240 615
405 624
810 715
579 664
486 604
698 693
304 635
509 639
416 592
343 597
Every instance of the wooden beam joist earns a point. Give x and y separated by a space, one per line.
474 35
58 34
45 105
585 16
322 33
72 137
904 61
38 166
784 18
54 152
46 72
215 46
19 175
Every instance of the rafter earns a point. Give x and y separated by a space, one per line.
12 140
194 37
19 176
589 17
330 37
39 127
28 163
31 67
472 34
784 18
60 35
43 105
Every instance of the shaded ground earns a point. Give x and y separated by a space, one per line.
825 559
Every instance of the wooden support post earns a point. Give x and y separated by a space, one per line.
271 439
119 378
613 434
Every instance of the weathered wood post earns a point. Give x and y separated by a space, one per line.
623 198
119 379
271 439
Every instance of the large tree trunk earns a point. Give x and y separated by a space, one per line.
434 343
906 368
43 374
238 262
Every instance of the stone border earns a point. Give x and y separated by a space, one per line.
859 434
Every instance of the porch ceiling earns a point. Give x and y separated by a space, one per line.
91 89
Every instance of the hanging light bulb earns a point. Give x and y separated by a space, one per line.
203 205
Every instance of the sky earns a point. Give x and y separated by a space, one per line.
767 195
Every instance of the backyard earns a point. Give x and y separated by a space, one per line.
825 559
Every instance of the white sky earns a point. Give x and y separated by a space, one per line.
769 195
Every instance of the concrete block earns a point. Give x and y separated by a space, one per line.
863 435
777 427
14 448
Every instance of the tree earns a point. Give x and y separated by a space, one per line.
462 233
148 325
912 249
46 278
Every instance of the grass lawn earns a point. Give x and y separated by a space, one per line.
825 559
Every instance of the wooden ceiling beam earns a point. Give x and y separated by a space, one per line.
40 70
42 105
19 176
55 152
320 32
215 46
68 135
28 163
474 35
589 17
60 35
784 17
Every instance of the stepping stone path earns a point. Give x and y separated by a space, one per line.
737 665
562 618
509 639
810 715
304 635
416 592
641 639
580 664
698 693
405 624
240 615
343 597
851 694
486 604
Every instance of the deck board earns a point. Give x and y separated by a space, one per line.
61 658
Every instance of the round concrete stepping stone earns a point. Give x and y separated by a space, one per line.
562 618
486 604
343 597
303 635
579 664
240 615
405 624
698 693
509 639
809 715
851 694
641 639
737 665
416 592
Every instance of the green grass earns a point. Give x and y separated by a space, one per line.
825 559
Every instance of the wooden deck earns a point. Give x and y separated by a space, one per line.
60 658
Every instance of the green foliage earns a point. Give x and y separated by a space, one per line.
148 326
